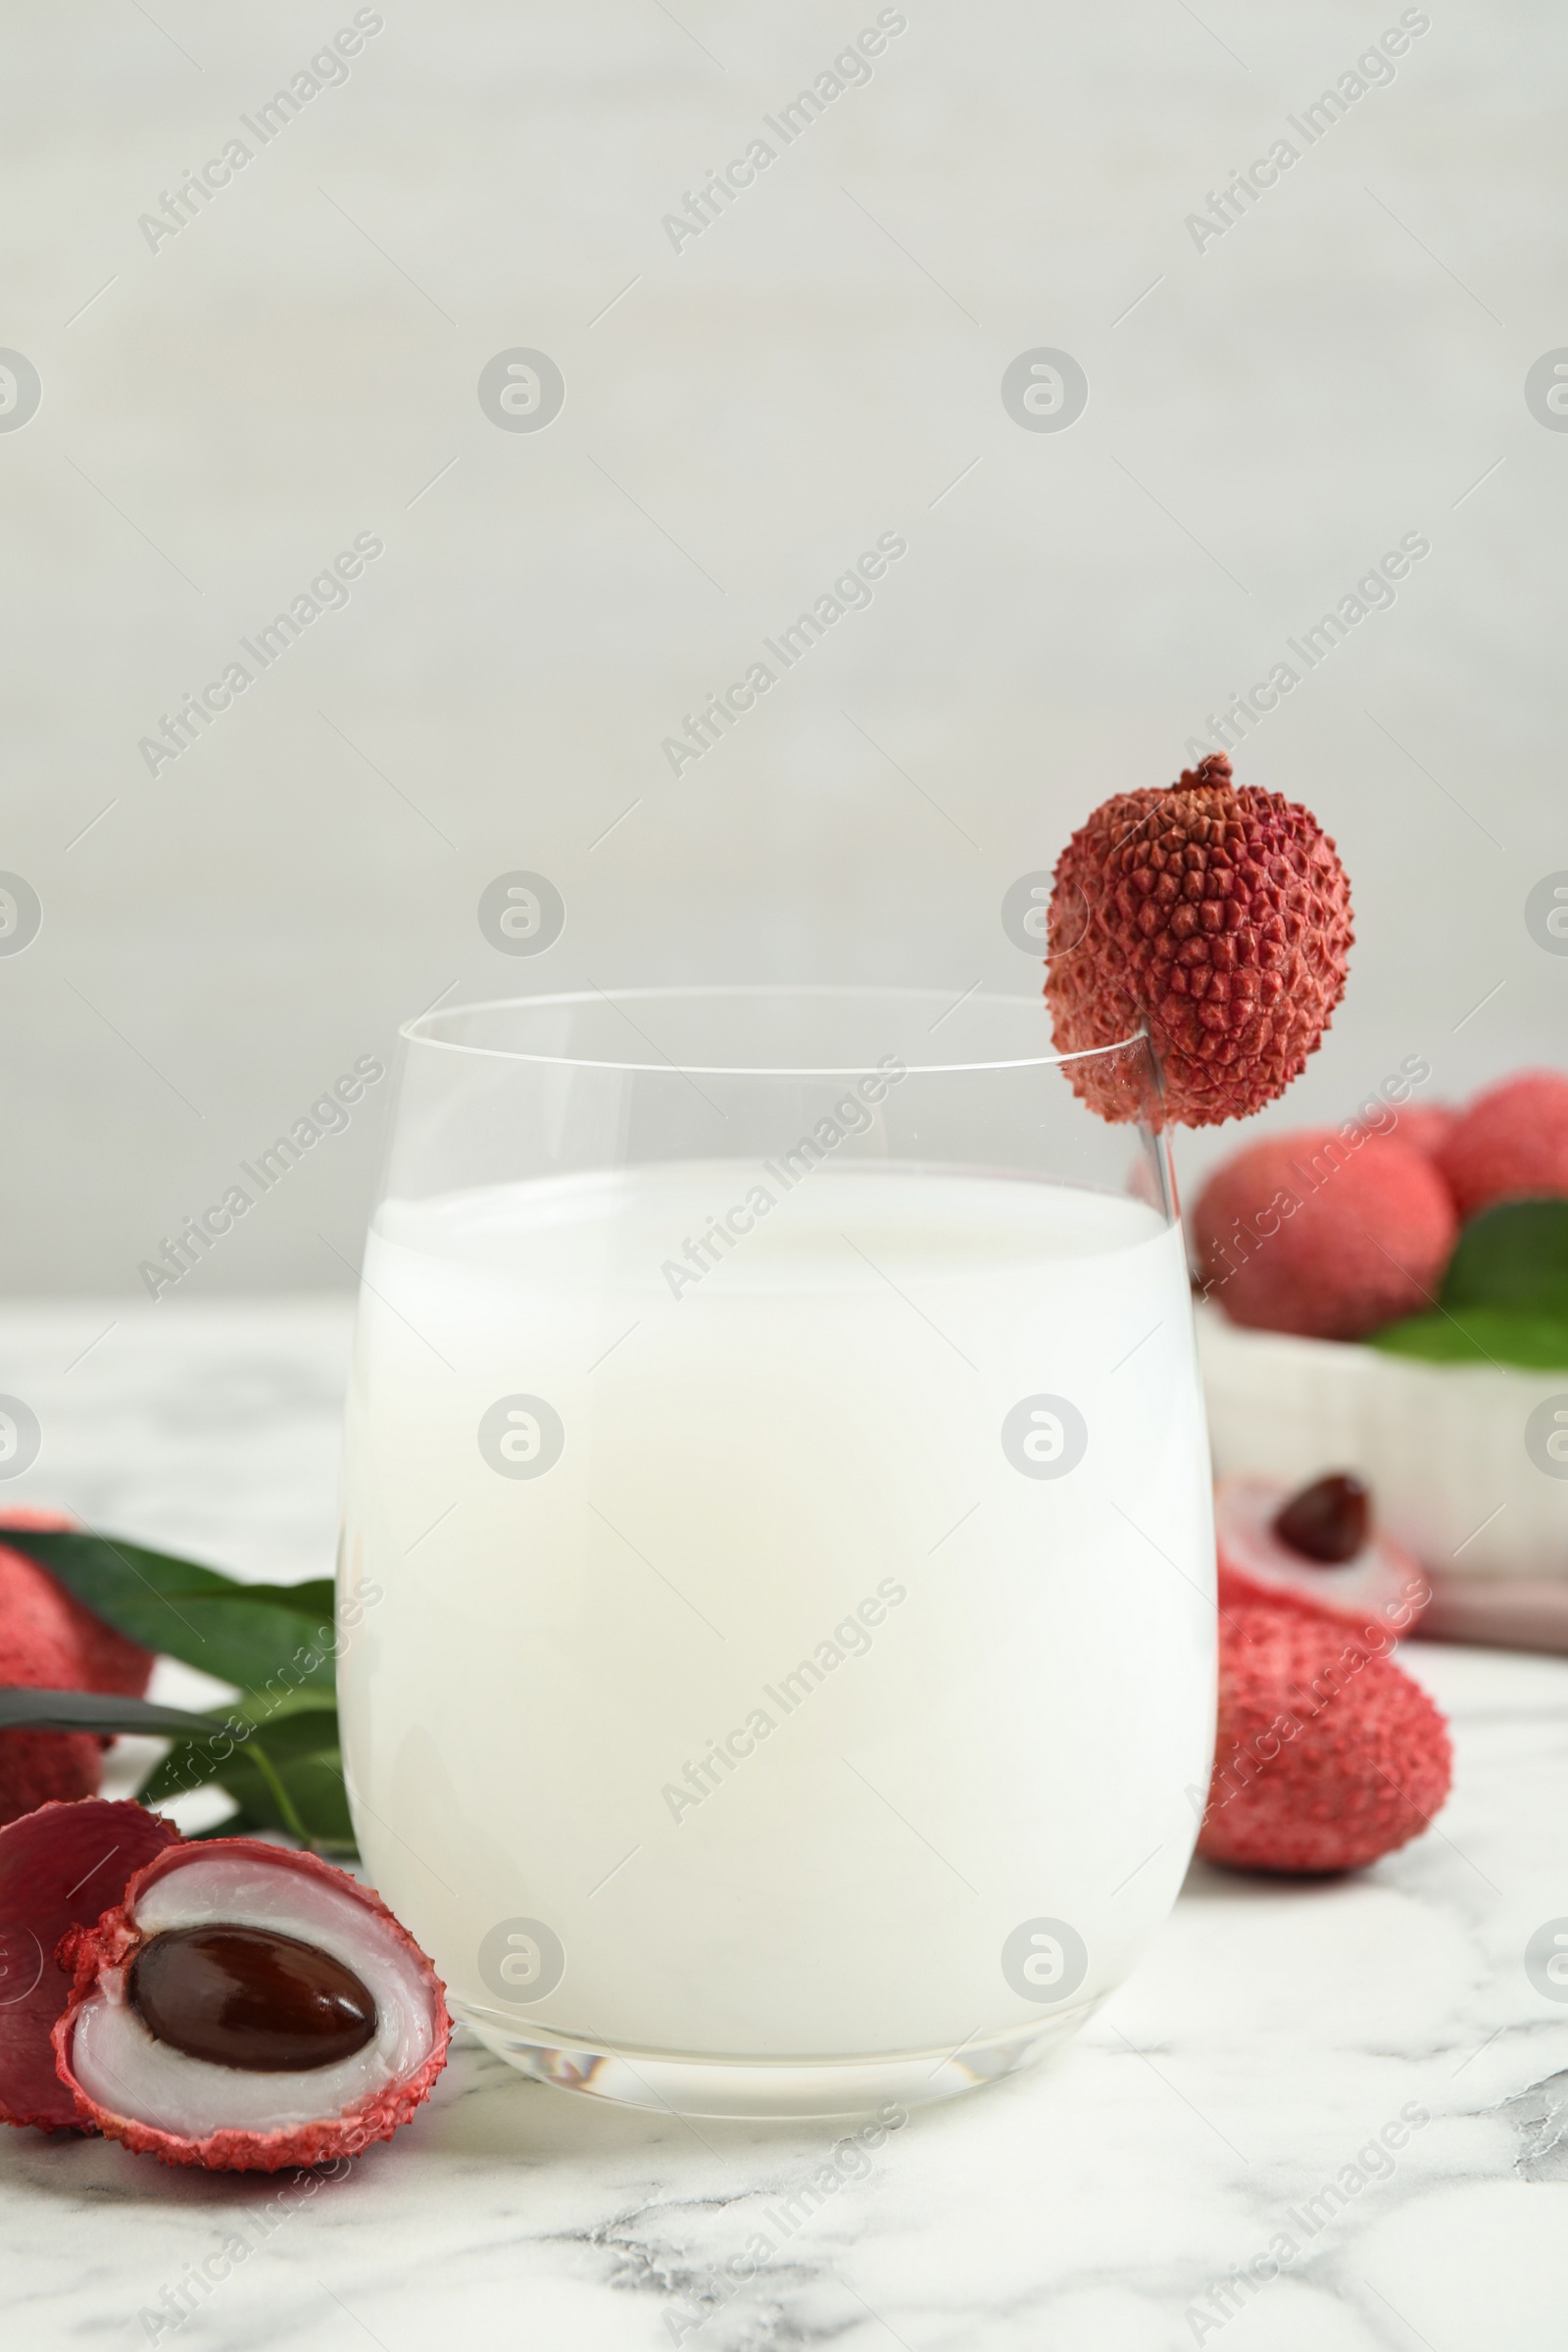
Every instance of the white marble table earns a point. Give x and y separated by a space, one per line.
1220 2100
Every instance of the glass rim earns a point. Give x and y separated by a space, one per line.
421 1030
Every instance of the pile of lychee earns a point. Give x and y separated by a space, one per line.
1340 1232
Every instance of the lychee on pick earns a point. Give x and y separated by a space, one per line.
1213 914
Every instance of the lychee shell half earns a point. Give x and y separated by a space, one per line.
1324 1236
1328 1754
1214 916
60 1867
163 2102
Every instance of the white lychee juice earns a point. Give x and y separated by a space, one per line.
784 1668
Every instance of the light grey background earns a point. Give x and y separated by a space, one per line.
222 415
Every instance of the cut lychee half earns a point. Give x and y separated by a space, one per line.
61 1866
246 2007
1315 1547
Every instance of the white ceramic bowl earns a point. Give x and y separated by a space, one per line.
1442 1446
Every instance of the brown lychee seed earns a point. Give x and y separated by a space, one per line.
245 2007
250 1997
1328 1521
1213 916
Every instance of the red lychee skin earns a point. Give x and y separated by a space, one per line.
1510 1144
1372 1228
1214 915
39 1651
110 1660
113 1942
59 1866
1328 1754
1425 1126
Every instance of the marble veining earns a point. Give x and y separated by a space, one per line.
1248 2084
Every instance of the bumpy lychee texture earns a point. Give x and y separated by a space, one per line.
1316 1547
1328 1754
1509 1143
39 1651
245 2007
1324 1235
1216 916
110 1660
1425 1126
60 1868
50 1641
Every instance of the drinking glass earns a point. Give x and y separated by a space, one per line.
778 1536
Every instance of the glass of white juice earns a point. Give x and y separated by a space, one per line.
777 1539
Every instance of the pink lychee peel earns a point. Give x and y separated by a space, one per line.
59 1866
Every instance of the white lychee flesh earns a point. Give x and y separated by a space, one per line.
1381 1583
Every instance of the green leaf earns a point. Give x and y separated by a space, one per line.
301 1724
1479 1335
305 1798
287 1774
1515 1258
244 1633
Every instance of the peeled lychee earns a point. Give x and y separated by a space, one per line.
1328 1754
1324 1234
1511 1143
110 1660
1296 1551
246 2007
1216 916
60 1868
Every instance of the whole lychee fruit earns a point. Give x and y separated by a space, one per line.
1328 1754
1324 1234
39 1651
110 1660
1214 915
1510 1144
